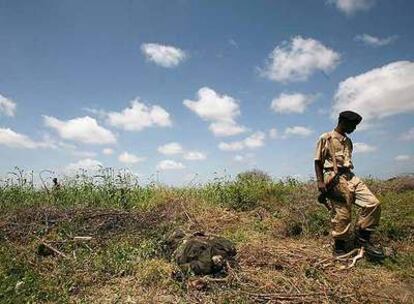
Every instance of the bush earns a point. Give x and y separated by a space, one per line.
254 176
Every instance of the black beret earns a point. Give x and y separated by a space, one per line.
350 116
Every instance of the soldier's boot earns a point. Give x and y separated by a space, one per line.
340 248
373 252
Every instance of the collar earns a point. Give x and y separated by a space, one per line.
338 135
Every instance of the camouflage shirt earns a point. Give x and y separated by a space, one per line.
342 146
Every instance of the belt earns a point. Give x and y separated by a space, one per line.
341 170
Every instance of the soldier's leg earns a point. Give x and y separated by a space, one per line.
341 199
370 206
368 219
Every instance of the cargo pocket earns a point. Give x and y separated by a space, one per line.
340 192
340 158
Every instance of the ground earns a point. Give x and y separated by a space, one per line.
280 231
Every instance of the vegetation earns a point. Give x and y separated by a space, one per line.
107 233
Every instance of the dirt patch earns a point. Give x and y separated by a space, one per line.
24 224
131 292
396 184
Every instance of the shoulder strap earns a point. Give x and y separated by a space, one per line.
332 152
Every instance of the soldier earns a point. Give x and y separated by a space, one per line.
200 253
336 181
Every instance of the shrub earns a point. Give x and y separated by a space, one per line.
254 175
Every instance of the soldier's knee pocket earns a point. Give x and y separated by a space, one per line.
375 203
345 216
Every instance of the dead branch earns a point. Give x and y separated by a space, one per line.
58 252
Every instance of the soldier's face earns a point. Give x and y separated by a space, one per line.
349 127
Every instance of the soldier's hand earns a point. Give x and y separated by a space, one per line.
328 205
321 187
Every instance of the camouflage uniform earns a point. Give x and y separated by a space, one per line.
349 190
200 253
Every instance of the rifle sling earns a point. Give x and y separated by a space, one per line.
332 152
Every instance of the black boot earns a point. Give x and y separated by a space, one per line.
363 239
340 248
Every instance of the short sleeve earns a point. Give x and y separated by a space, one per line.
320 149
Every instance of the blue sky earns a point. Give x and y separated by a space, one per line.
197 87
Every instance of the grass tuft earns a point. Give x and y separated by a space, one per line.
281 234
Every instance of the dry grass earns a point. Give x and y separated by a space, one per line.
284 254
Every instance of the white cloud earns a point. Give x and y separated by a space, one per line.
298 131
233 43
375 41
254 141
232 146
194 155
170 165
13 139
175 148
224 128
273 133
74 150
128 158
139 116
163 55
108 151
220 110
291 103
403 158
239 158
84 164
7 106
323 111
83 129
67 146
298 59
378 93
213 106
408 136
247 158
171 149
363 148
101 114
349 7
83 154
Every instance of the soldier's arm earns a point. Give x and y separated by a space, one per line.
319 176
319 162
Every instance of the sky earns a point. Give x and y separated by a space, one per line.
183 91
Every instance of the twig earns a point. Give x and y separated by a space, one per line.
346 255
360 255
54 250
112 212
186 213
218 280
384 297
82 238
43 181
281 296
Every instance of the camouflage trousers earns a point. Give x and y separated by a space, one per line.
352 190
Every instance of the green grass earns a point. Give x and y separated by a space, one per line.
128 223
402 264
397 220
20 282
